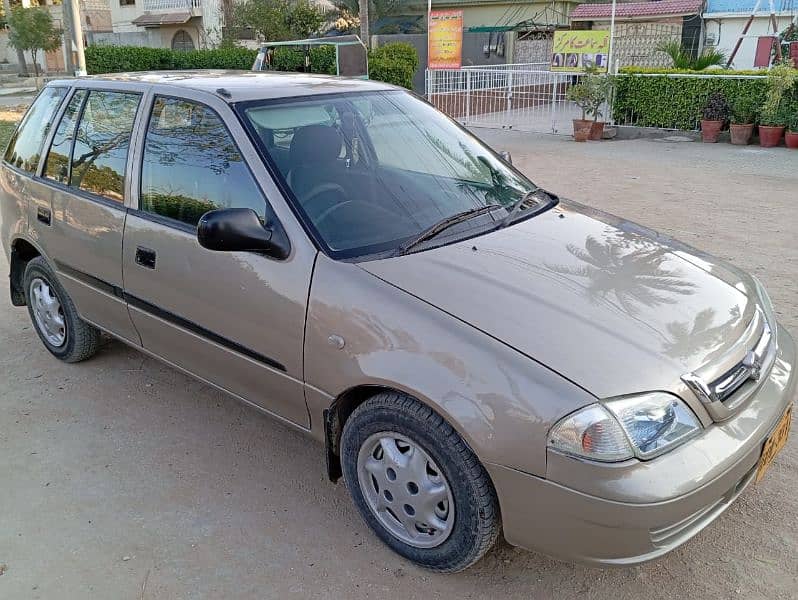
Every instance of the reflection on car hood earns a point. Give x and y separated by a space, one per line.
611 305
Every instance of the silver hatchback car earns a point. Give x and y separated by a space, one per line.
476 355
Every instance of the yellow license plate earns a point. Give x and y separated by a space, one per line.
774 444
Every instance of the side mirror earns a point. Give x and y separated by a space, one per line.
506 157
240 229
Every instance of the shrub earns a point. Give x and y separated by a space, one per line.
782 80
590 94
744 110
119 59
677 102
717 107
394 63
682 59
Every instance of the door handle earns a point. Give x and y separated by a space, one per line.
145 257
43 215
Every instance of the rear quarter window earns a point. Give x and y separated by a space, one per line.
25 146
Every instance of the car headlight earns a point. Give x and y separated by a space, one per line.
641 426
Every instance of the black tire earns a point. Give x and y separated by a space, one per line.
476 522
82 340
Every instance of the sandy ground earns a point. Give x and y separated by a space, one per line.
123 479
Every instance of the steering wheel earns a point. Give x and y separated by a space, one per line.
317 192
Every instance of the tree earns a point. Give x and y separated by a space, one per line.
32 29
276 20
23 67
363 13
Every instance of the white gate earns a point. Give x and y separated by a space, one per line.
522 97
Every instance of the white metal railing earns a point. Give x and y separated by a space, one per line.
172 5
514 97
522 99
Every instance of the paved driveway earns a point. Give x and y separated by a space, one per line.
123 479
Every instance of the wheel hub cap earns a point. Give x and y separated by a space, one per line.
48 312
405 490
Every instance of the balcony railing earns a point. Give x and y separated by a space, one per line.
193 6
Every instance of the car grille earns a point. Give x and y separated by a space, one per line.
752 367
727 392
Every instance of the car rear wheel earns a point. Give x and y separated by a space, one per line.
63 332
417 484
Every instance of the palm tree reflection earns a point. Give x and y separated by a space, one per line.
627 269
701 334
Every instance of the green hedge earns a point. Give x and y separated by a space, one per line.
668 71
677 102
393 63
119 59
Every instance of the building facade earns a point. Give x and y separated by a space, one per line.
725 20
641 27
177 24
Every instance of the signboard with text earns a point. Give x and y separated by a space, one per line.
578 51
445 39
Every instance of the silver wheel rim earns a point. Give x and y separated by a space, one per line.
405 490
47 312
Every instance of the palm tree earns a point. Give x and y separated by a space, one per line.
363 10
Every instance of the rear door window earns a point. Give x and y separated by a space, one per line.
25 146
56 166
102 142
192 165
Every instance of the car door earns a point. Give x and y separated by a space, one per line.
77 210
234 319
21 161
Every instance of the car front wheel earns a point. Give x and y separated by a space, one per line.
417 484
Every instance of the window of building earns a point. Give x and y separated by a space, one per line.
191 164
25 146
182 41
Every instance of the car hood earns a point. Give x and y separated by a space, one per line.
609 304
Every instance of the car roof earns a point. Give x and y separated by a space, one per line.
241 86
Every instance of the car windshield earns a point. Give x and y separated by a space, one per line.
373 171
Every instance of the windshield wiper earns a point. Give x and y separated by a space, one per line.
443 224
518 206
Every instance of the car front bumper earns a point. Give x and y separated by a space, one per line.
633 512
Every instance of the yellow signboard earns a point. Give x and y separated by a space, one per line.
445 37
578 51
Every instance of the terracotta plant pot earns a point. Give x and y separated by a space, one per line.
710 130
770 136
791 139
597 131
582 130
741 133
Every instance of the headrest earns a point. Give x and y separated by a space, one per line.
315 143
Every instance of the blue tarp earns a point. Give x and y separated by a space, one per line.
747 6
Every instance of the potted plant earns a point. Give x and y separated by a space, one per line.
772 123
602 88
581 95
716 112
791 136
743 118
774 114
